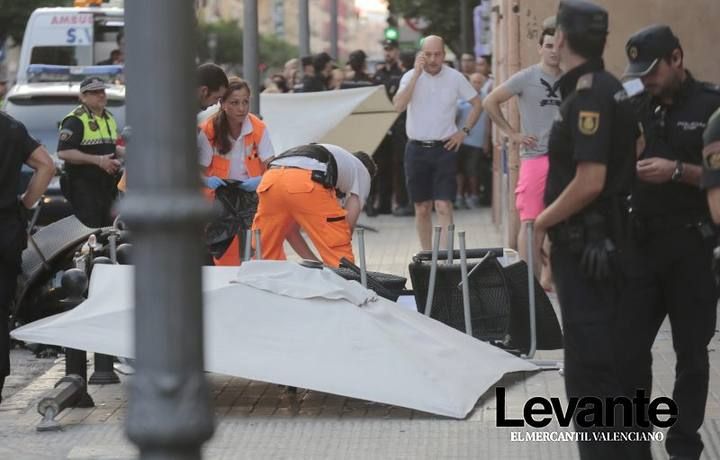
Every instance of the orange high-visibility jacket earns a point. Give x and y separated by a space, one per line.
220 165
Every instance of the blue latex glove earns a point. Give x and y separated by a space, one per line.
213 182
250 185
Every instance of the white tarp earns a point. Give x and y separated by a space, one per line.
355 119
324 333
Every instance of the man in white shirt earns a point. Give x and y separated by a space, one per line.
430 92
320 188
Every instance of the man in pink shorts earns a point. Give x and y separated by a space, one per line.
539 99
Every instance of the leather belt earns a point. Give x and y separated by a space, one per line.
427 144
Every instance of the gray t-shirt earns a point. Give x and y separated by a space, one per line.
539 101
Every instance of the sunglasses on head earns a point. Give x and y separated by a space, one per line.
95 91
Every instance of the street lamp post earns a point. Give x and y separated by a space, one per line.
464 27
169 414
334 29
304 28
250 52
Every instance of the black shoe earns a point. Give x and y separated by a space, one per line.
370 211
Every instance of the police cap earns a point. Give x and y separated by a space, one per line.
387 44
646 47
582 17
92 84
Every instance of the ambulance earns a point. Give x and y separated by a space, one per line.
78 36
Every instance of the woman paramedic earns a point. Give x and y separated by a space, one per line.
233 144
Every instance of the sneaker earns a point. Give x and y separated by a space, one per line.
403 211
473 201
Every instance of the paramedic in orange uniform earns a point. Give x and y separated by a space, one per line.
320 188
233 144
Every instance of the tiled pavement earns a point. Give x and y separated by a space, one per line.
261 420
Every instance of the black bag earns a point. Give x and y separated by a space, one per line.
236 214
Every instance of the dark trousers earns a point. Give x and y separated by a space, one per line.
381 189
13 240
601 344
92 200
680 284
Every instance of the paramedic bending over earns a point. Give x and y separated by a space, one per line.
233 144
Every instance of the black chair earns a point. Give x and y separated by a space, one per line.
499 300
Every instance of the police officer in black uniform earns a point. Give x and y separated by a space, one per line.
16 148
672 218
711 166
390 154
87 144
592 154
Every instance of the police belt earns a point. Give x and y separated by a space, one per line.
664 224
568 234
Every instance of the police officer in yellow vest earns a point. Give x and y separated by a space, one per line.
87 144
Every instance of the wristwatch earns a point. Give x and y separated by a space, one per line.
466 130
677 174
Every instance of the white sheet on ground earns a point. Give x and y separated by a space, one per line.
379 352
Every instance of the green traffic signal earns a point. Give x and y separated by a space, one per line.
391 33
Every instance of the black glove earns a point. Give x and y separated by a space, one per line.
598 260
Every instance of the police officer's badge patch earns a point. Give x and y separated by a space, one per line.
93 125
588 122
633 53
65 134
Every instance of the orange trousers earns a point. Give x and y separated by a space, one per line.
287 196
231 257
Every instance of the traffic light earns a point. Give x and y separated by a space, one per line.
391 33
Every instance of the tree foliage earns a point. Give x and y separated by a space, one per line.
443 17
274 52
14 15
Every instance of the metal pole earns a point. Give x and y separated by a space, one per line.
450 243
465 284
531 290
361 251
247 247
304 28
465 16
250 52
169 413
334 28
258 245
433 270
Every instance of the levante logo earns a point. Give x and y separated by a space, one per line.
591 411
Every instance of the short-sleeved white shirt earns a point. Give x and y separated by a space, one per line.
237 152
353 176
432 107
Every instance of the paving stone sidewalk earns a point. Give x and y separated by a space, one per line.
257 420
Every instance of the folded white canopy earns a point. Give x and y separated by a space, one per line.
355 119
282 323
